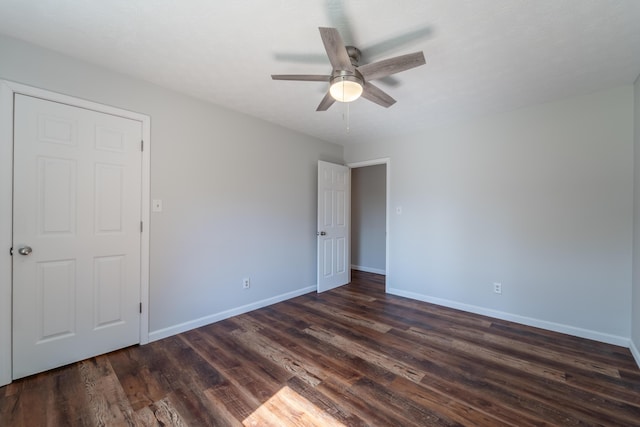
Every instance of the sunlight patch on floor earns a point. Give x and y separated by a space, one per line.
287 407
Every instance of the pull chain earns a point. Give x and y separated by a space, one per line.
345 115
348 123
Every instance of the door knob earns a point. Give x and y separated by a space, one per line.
321 233
25 250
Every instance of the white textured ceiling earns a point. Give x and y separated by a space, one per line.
482 56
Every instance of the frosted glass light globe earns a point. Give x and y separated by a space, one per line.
343 90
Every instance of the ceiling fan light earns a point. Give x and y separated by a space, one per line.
345 90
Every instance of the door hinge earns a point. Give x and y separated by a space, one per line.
141 226
11 251
140 308
142 145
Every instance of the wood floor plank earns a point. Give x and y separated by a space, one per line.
408 309
264 370
492 377
488 355
191 368
206 343
354 318
187 405
567 344
345 366
327 360
505 344
224 414
166 414
234 401
35 393
539 388
105 395
352 356
443 404
72 401
398 403
289 408
381 360
366 409
144 417
139 383
325 403
308 372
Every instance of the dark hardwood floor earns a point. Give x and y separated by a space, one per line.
351 356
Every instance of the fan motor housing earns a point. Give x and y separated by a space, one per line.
354 54
354 76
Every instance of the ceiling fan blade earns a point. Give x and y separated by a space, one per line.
394 43
301 77
326 102
386 67
338 18
336 51
375 94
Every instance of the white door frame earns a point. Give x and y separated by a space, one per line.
382 161
7 91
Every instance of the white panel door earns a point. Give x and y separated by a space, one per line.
77 207
334 203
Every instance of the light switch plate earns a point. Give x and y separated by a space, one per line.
156 206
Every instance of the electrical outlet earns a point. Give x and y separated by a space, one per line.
497 288
246 283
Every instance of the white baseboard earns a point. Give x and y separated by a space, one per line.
212 318
368 269
529 321
635 352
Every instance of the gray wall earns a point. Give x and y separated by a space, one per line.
240 190
540 200
368 218
635 304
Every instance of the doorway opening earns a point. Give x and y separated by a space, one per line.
369 216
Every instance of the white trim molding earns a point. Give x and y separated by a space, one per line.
216 317
635 352
529 321
8 90
6 230
368 269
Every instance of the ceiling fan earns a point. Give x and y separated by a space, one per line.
348 80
